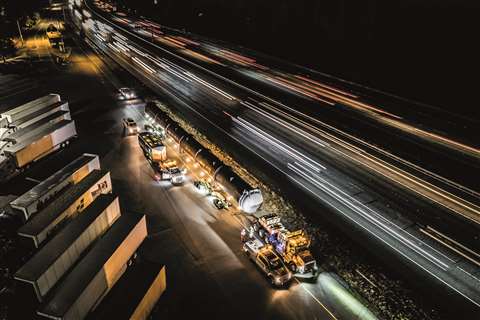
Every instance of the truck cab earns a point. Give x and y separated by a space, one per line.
292 247
268 262
168 170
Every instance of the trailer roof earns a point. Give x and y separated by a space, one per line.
46 216
48 130
65 295
34 128
137 280
28 104
40 189
39 112
47 255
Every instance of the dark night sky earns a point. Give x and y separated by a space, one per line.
425 50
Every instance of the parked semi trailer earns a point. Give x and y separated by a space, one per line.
43 193
91 279
248 198
21 111
49 220
58 108
18 154
40 274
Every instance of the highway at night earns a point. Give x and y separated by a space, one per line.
319 138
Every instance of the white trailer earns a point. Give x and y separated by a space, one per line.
69 204
55 108
15 136
52 261
42 194
92 278
16 155
29 107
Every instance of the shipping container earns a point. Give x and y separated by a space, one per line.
84 287
44 192
29 107
74 200
145 282
54 259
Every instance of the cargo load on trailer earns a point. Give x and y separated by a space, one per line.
156 153
249 198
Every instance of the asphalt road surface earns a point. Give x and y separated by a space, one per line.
391 203
207 273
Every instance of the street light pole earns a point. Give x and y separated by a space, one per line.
20 32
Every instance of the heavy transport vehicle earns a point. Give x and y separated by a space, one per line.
156 153
17 154
249 198
292 247
268 262
46 191
168 170
152 146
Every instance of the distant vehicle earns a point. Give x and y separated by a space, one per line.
130 126
268 261
127 93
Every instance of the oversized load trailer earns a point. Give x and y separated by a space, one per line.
249 199
152 146
16 156
84 287
53 260
145 283
30 107
36 116
75 199
43 193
